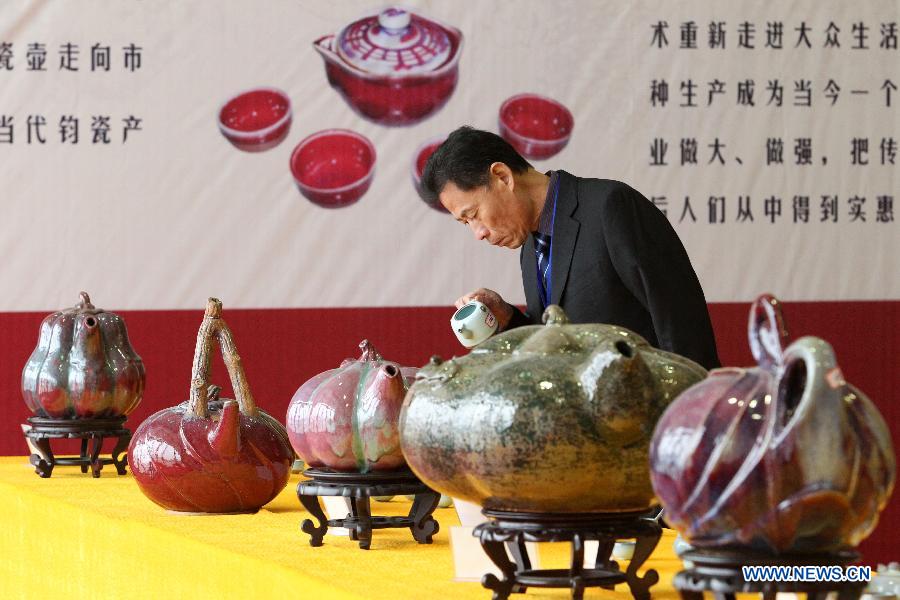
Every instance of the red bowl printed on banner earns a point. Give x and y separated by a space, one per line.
420 157
537 126
333 168
256 120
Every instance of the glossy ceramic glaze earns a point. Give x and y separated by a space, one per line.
782 457
346 418
537 126
83 366
256 120
393 67
333 168
420 157
208 455
886 581
553 418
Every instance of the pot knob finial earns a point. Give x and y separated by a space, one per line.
555 315
394 20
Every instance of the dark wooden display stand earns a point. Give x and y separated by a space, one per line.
719 572
359 487
513 529
89 430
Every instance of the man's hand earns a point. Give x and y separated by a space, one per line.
502 310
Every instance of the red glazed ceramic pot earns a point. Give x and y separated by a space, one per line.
83 367
537 127
782 457
333 168
208 455
393 67
346 418
256 120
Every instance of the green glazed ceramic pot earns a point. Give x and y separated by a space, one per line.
555 418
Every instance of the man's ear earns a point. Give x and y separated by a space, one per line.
503 174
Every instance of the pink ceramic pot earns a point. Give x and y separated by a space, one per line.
783 457
393 67
256 120
420 157
346 419
207 455
333 168
83 366
537 126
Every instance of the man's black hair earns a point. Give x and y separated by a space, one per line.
465 159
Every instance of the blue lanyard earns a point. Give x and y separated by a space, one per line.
545 293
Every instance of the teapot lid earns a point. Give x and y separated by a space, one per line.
394 42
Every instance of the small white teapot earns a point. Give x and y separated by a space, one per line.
473 323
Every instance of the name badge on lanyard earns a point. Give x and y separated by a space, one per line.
546 292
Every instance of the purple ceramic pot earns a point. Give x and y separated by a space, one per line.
782 457
83 366
346 418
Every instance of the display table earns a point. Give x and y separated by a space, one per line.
77 536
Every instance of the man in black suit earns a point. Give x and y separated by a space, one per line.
596 247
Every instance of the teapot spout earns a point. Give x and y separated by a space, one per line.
389 383
225 438
324 46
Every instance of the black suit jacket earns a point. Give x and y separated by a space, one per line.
617 260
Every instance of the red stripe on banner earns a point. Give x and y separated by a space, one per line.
281 348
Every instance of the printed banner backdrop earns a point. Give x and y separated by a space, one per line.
767 133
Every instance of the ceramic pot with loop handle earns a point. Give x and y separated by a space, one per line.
782 457
211 455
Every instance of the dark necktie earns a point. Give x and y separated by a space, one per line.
542 253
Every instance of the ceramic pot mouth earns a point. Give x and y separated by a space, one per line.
557 106
336 133
255 134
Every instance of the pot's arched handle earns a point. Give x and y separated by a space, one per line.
214 328
810 372
766 331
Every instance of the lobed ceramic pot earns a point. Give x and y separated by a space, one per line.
782 457
345 419
333 168
536 126
83 366
554 418
256 120
208 455
394 67
420 158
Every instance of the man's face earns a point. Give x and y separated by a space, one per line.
493 212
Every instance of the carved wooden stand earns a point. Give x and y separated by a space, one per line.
517 528
359 487
719 571
89 430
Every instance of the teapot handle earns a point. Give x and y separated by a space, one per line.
822 379
213 328
766 331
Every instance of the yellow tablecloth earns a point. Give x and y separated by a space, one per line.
81 537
